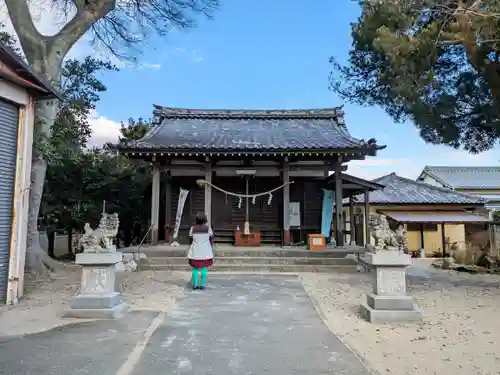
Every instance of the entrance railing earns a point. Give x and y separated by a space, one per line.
138 251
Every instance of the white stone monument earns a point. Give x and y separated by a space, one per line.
389 302
98 296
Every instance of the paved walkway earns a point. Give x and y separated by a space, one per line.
239 325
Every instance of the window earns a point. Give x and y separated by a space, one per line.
416 227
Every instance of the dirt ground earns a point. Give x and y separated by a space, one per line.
459 335
47 297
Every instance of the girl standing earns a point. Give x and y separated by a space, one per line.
200 253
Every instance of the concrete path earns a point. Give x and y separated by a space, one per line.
239 325
94 348
247 325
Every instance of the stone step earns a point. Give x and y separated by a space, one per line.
259 260
219 253
246 267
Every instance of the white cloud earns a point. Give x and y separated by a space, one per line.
103 130
411 167
195 55
152 66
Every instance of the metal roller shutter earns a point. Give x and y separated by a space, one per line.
9 119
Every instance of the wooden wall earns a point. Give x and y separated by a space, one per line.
226 215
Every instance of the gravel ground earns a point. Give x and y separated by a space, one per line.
460 334
46 297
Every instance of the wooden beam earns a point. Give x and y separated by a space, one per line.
168 209
367 217
155 204
286 203
351 220
201 167
422 240
339 222
208 192
443 239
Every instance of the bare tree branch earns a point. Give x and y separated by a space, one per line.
28 35
88 13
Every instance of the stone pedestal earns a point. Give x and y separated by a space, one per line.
98 296
388 302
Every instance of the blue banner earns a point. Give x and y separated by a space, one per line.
327 212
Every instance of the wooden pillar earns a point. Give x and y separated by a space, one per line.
168 208
422 241
155 204
339 222
367 217
443 240
208 192
286 204
352 223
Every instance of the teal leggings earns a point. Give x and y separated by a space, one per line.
203 277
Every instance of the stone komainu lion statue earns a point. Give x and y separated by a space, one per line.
384 236
100 239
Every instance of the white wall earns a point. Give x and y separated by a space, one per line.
431 181
17 260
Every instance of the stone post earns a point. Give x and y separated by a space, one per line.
98 297
389 302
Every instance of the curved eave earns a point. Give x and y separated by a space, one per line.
144 151
433 204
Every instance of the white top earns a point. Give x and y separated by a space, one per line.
201 248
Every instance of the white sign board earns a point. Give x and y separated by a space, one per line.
294 214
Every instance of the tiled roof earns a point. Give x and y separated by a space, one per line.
273 130
400 190
466 177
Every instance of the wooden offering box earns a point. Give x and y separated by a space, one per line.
316 242
251 240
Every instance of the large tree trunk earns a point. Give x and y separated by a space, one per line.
45 55
37 260
51 237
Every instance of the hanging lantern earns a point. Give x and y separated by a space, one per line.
240 201
254 199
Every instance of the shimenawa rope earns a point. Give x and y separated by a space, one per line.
205 182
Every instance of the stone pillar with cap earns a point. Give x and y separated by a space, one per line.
389 302
98 296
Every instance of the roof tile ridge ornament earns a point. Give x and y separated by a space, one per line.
332 112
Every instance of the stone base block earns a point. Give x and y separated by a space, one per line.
390 316
389 302
118 281
112 313
98 301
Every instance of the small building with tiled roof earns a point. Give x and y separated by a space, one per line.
434 217
20 89
481 181
240 154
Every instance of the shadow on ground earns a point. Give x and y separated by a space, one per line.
97 348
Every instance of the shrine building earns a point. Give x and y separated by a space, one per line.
269 168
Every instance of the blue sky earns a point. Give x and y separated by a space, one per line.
264 54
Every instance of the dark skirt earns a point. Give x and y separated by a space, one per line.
199 263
